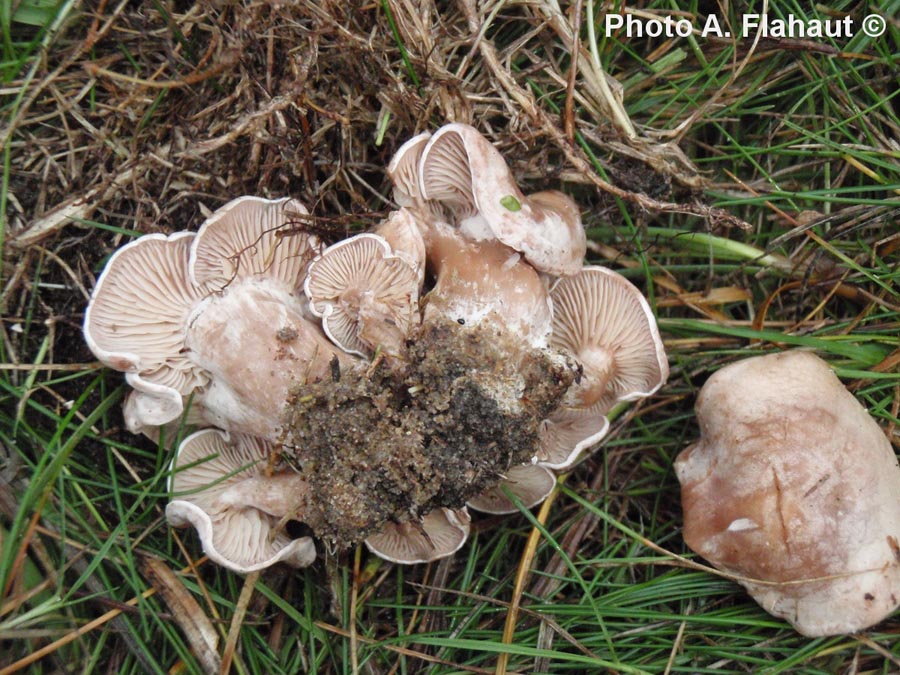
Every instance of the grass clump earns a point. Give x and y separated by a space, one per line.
750 187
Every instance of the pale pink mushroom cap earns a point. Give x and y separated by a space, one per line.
366 295
252 334
439 534
530 483
136 320
462 169
221 487
795 488
256 343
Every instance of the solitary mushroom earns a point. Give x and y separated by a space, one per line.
223 487
795 489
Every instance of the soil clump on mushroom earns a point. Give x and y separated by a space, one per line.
392 442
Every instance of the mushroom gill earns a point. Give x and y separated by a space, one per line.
227 489
366 295
461 169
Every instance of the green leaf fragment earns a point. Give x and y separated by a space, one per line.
510 203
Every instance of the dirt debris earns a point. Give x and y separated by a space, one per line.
435 430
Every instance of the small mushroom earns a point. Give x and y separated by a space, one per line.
461 169
795 489
149 406
529 483
603 322
366 295
568 433
253 237
143 409
439 534
222 486
136 321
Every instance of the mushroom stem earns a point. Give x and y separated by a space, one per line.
366 295
380 326
277 495
486 282
598 370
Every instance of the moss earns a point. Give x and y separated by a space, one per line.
435 428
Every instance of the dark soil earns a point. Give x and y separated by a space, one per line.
391 443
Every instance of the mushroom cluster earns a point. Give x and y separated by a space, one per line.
454 357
